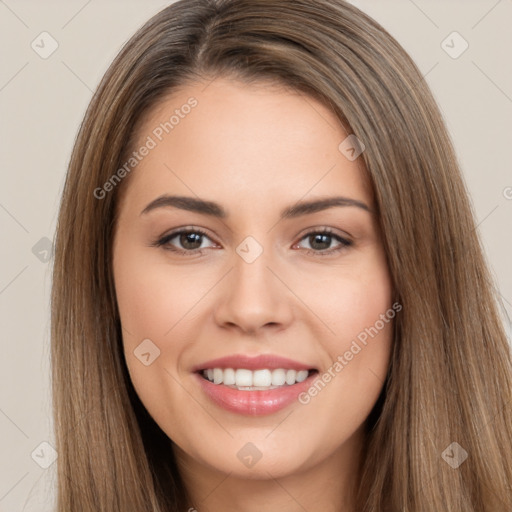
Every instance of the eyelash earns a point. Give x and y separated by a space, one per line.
164 242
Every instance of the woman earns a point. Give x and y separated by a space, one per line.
268 290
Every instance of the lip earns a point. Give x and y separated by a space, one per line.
254 403
259 362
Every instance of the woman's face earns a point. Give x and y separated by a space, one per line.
253 175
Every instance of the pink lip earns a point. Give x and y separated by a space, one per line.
254 403
259 362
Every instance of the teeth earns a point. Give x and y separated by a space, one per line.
217 375
229 377
254 380
290 377
243 377
279 377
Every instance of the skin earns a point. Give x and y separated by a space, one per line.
254 149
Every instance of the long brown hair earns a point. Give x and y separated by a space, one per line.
450 375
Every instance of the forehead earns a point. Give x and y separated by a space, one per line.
243 143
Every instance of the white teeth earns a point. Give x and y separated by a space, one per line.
261 378
229 377
279 377
217 376
242 378
302 375
290 377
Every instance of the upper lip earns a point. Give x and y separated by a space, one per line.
261 361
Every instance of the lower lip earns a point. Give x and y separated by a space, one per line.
254 403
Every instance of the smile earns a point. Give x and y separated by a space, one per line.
249 380
248 399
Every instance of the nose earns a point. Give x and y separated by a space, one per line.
253 298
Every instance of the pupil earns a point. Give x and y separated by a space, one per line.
190 240
323 240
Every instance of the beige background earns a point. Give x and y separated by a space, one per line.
42 102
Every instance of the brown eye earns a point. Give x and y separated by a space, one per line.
185 241
190 240
321 242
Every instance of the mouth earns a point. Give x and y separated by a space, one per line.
254 385
264 379
259 392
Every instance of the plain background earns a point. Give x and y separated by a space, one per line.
42 103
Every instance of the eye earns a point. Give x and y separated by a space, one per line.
189 241
320 242
185 241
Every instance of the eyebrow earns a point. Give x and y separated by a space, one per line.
216 210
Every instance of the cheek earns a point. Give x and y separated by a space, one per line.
153 296
156 303
349 299
357 306
159 301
